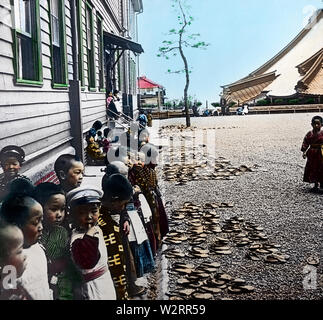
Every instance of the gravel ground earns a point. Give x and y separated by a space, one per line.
273 197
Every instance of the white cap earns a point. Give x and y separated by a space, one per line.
83 195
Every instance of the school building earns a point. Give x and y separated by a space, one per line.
58 61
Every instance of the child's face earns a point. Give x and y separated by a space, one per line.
16 256
86 215
11 167
74 175
317 125
54 210
33 228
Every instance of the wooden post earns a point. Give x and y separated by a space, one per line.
75 93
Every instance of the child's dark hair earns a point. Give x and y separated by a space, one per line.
97 125
109 171
45 190
317 118
21 185
15 208
99 133
64 163
117 187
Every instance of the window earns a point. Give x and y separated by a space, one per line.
80 43
58 43
90 47
27 56
101 52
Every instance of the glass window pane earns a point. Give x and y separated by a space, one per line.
55 8
26 70
88 28
25 16
55 31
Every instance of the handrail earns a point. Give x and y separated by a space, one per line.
128 121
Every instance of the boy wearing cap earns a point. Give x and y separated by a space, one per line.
11 159
87 245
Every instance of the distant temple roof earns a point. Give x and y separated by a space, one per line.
145 83
295 69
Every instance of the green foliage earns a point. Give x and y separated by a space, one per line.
293 101
279 101
199 103
310 100
263 102
215 104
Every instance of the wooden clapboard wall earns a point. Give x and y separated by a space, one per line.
35 118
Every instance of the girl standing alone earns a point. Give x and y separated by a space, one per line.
312 149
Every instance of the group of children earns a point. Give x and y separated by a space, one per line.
66 241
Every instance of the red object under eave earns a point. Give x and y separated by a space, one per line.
145 83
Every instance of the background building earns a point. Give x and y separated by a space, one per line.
152 94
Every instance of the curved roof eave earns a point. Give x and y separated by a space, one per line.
312 21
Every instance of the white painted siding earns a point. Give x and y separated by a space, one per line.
31 117
37 118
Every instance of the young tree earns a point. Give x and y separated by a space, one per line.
183 40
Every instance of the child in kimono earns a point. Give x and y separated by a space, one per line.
138 239
312 149
55 239
12 259
144 175
87 245
114 223
25 212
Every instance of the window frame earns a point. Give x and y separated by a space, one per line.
90 60
100 20
62 39
36 47
80 44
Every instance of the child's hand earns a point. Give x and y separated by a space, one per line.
304 155
92 231
126 228
136 189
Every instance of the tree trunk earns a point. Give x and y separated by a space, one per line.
188 119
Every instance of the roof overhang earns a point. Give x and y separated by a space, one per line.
121 43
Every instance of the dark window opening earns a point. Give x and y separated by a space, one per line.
27 53
58 42
100 43
90 47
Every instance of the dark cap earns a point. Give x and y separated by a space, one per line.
12 151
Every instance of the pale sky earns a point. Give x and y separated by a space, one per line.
243 35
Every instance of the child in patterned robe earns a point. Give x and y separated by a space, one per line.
312 149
